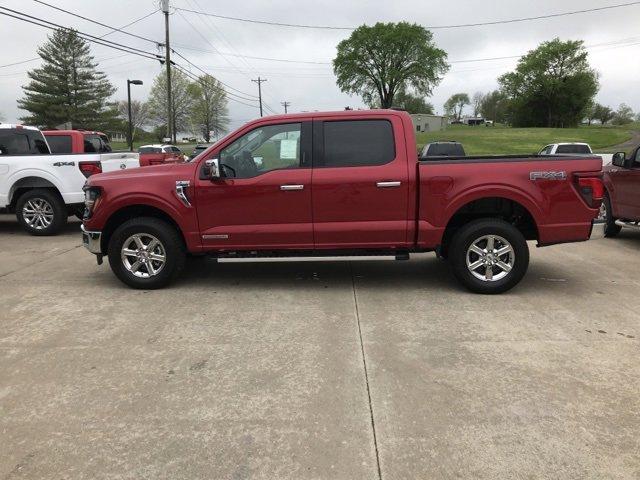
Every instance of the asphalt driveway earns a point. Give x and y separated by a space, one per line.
318 370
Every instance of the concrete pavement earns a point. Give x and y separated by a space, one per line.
318 370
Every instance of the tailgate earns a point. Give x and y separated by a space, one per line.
119 161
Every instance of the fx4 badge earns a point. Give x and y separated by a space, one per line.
547 175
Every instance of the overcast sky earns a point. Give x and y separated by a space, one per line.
311 86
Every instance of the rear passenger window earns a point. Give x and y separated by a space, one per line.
358 143
60 143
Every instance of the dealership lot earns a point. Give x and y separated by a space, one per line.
318 370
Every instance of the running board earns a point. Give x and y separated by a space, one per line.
354 258
622 223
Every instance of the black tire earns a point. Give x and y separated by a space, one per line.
610 227
170 242
472 233
50 208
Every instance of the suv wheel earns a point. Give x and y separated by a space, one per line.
606 215
489 256
146 253
41 212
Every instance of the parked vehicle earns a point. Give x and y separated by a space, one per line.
566 149
43 189
77 141
621 205
197 150
159 154
339 183
442 149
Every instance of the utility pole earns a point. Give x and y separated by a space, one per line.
259 82
285 105
167 60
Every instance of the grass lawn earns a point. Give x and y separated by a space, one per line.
499 140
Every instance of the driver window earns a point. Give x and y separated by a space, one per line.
267 148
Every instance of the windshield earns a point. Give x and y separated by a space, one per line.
444 150
149 150
573 149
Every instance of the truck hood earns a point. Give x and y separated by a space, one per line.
139 175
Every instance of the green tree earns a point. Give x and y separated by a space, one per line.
181 101
590 113
139 115
494 106
476 102
552 85
68 88
623 115
376 62
209 113
603 113
412 103
455 104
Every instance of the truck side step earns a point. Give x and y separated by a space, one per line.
311 259
622 223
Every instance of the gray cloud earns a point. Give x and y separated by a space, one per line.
312 86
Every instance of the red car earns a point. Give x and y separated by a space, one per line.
159 154
339 184
621 206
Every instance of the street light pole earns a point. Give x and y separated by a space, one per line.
129 82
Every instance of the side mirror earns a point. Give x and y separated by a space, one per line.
619 159
213 167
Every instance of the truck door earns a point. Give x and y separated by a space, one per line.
264 200
626 182
360 183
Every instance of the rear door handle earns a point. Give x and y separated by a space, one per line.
388 184
291 187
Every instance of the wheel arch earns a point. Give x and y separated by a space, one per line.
29 182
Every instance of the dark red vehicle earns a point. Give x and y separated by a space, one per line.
159 155
621 205
77 141
339 184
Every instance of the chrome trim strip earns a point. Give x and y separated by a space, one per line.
291 187
91 240
622 223
388 184
180 191
215 237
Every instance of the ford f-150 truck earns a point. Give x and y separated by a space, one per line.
621 205
42 188
77 141
337 184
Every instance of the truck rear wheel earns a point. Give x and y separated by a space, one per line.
489 256
41 212
146 253
606 215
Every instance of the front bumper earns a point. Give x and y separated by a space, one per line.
91 240
597 230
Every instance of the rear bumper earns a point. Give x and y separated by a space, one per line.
92 241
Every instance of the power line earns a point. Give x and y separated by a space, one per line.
85 36
431 27
286 106
100 23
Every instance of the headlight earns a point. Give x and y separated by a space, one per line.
91 198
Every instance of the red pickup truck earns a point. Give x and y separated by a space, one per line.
77 141
621 205
338 184
159 154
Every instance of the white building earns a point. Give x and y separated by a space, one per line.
424 122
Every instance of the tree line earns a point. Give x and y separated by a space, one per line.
69 89
551 86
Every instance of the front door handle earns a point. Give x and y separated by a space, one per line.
291 187
388 184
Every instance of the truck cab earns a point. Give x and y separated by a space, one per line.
77 141
621 205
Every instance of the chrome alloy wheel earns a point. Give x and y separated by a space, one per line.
143 255
37 213
490 258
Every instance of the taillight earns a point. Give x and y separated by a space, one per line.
90 168
591 190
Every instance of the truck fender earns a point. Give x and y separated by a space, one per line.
35 173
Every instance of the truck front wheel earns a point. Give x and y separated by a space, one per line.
146 253
489 256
